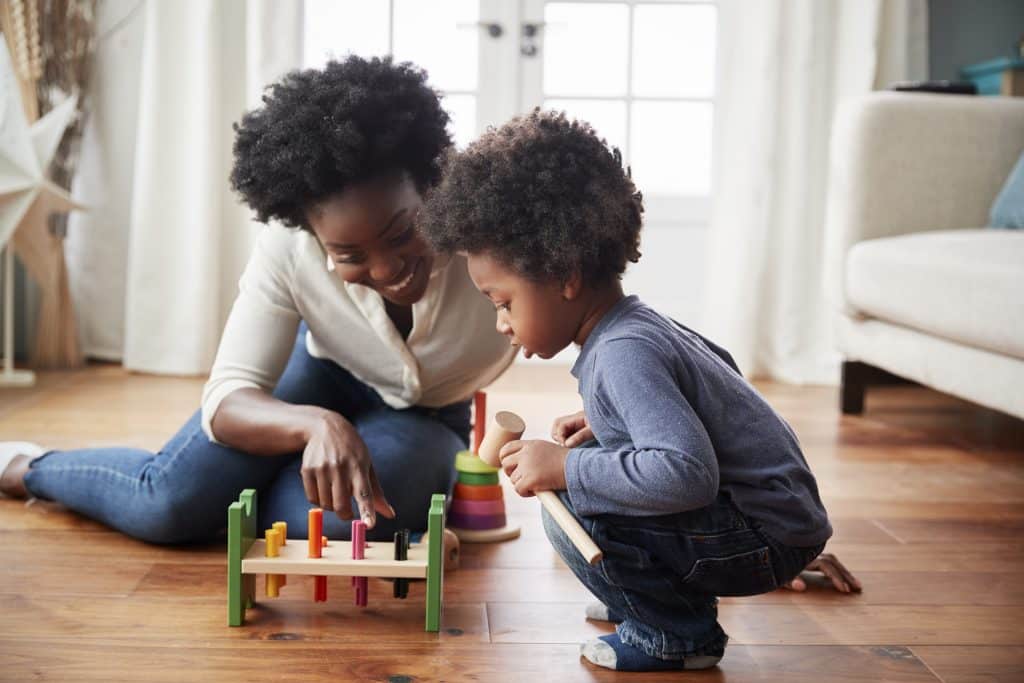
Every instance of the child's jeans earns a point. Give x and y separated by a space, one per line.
663 575
181 493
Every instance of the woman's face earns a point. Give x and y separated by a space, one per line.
369 233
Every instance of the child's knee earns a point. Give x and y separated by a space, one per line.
559 540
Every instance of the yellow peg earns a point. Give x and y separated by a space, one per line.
273 546
283 527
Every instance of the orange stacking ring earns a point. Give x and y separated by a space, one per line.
491 492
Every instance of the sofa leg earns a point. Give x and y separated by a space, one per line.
855 377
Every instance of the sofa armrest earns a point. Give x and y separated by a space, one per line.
910 162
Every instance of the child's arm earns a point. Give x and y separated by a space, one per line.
571 430
670 467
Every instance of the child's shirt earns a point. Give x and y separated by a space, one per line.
676 422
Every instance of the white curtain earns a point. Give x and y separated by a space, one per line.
154 264
782 67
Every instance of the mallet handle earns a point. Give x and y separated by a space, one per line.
580 538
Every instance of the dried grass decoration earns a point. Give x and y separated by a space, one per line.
52 43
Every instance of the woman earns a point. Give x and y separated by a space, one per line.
348 359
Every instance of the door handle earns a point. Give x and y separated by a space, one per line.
494 29
528 38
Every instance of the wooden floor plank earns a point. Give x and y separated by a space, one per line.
787 624
978 664
298 661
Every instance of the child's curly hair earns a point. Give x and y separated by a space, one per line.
545 196
322 130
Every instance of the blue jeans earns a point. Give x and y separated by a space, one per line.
181 493
663 575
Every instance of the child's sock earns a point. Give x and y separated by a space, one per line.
598 611
611 653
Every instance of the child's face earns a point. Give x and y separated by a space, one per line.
542 318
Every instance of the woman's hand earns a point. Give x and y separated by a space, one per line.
534 466
829 565
571 430
336 466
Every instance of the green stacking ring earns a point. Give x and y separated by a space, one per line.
478 479
467 461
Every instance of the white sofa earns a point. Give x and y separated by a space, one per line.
921 289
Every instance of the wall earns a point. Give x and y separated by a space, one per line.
962 33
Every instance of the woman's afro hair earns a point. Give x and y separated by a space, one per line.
320 131
543 195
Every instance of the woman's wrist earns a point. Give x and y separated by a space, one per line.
311 420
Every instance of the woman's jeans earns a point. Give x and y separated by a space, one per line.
182 492
662 575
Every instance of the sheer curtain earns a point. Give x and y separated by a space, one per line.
782 67
155 264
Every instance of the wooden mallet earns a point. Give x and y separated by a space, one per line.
507 427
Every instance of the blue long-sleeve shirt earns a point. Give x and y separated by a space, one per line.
676 422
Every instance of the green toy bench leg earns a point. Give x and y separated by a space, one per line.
241 535
435 562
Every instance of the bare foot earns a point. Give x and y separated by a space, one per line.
12 480
451 550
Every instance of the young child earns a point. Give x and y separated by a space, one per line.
686 478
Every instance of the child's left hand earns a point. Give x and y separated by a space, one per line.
534 466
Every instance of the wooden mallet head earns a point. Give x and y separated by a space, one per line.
504 427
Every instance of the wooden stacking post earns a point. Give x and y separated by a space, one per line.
479 419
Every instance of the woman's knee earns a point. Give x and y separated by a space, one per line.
172 517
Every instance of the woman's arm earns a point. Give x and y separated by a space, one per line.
253 421
336 465
239 410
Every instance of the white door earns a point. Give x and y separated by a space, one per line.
640 71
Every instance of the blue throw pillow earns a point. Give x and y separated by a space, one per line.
1008 209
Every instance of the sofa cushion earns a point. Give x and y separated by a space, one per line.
1008 208
962 285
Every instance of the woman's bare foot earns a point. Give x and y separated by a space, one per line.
15 458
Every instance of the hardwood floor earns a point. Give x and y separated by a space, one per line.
926 494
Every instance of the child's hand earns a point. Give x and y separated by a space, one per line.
829 565
571 430
534 466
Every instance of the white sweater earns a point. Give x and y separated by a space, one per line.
452 350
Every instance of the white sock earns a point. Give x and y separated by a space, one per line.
598 611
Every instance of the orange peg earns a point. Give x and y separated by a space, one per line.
316 532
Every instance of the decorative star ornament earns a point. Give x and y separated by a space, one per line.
27 197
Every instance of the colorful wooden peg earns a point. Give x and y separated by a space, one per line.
316 531
359 553
401 554
316 536
272 549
